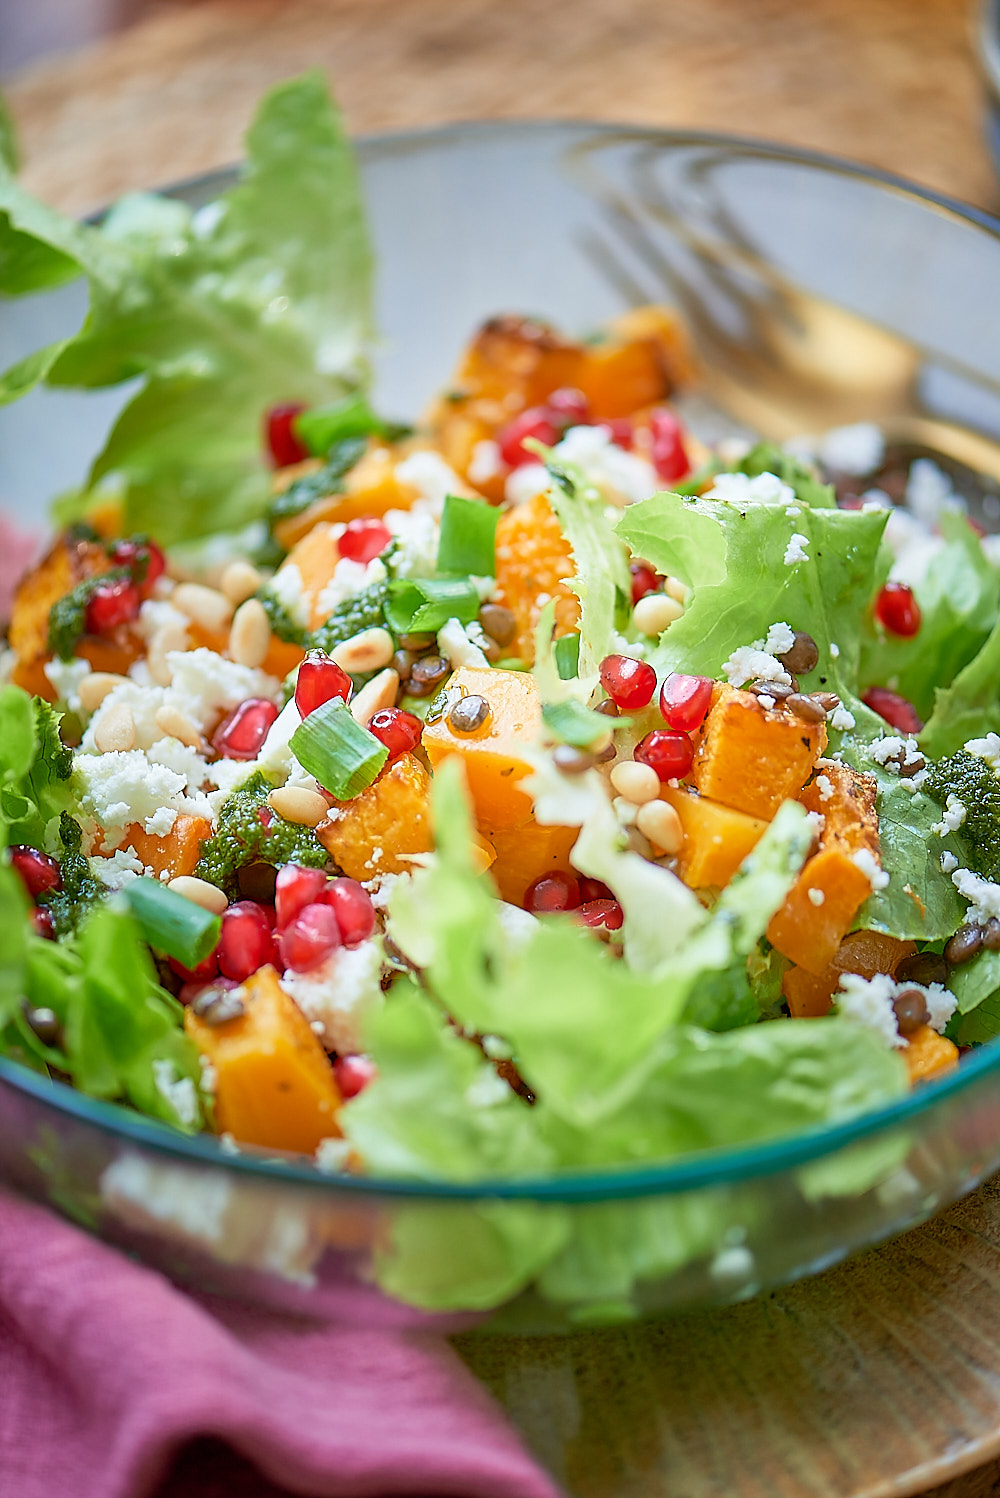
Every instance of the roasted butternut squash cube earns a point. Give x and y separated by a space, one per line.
493 755
527 853
274 1085
378 831
716 838
513 362
864 952
370 488
753 758
534 563
174 854
929 1055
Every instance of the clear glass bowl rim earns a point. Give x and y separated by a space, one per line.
703 1169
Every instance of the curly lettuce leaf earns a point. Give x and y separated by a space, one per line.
263 297
601 578
920 902
35 768
968 708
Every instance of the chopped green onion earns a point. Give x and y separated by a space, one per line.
422 605
468 537
575 724
567 656
511 663
344 757
171 923
323 426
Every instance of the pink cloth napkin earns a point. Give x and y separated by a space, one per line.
111 1378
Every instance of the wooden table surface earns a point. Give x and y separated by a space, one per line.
890 82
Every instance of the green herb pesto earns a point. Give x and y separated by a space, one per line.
329 479
978 789
243 837
281 622
67 616
365 611
81 889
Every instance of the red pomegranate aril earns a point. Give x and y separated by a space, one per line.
606 913
397 729
294 889
364 540
144 560
39 873
284 446
246 943
319 680
242 732
353 1073
629 683
897 711
43 923
534 422
206 971
668 753
667 451
555 891
594 889
644 580
569 407
621 431
353 908
307 941
685 700
112 603
898 610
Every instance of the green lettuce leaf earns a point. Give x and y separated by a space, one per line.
970 706
259 299
35 768
601 579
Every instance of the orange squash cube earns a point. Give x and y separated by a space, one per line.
175 853
377 831
527 853
534 563
492 756
716 838
864 952
274 1084
928 1055
370 488
750 757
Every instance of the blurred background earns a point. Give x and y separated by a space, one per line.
115 94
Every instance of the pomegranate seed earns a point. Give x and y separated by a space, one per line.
190 991
644 580
144 560
112 603
606 913
353 1073
898 610
353 908
241 732
897 711
569 406
364 540
204 973
629 683
294 889
684 701
851 502
319 680
397 729
621 430
38 871
669 754
555 891
309 939
593 889
667 450
285 448
43 923
246 943
534 422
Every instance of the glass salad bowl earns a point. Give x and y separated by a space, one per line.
816 293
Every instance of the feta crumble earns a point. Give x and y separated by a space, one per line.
287 589
987 749
865 860
951 818
842 719
622 477
522 485
340 993
431 476
856 449
796 551
66 677
949 863
740 489
349 579
457 644
825 787
816 897
868 1002
177 1092
982 895
123 866
484 462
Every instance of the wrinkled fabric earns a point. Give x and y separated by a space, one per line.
114 1383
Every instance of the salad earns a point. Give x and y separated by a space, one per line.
531 789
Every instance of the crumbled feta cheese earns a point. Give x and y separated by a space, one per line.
204 685
928 491
733 1265
340 993
856 449
155 613
949 863
842 719
868 1002
123 866
895 753
431 476
66 677
941 1004
349 579
331 1155
486 587
622 477
275 756
834 651
987 749
740 490
733 450
865 860
516 925
496 1048
209 1076
485 462
765 700
951 818
417 533
487 1089
793 512
177 1092
825 787
524 483
796 551
751 663
816 897
123 787
457 645
983 897
780 638
380 888
288 589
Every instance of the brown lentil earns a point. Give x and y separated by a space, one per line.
499 623
803 656
403 662
911 1010
572 761
468 714
44 1025
417 643
964 945
603 755
427 674
991 935
609 708
912 766
216 1006
922 967
806 708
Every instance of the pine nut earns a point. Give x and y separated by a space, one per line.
658 821
655 613
675 589
239 581
637 782
116 730
205 606
296 804
379 693
199 892
177 725
168 637
368 651
250 636
94 688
